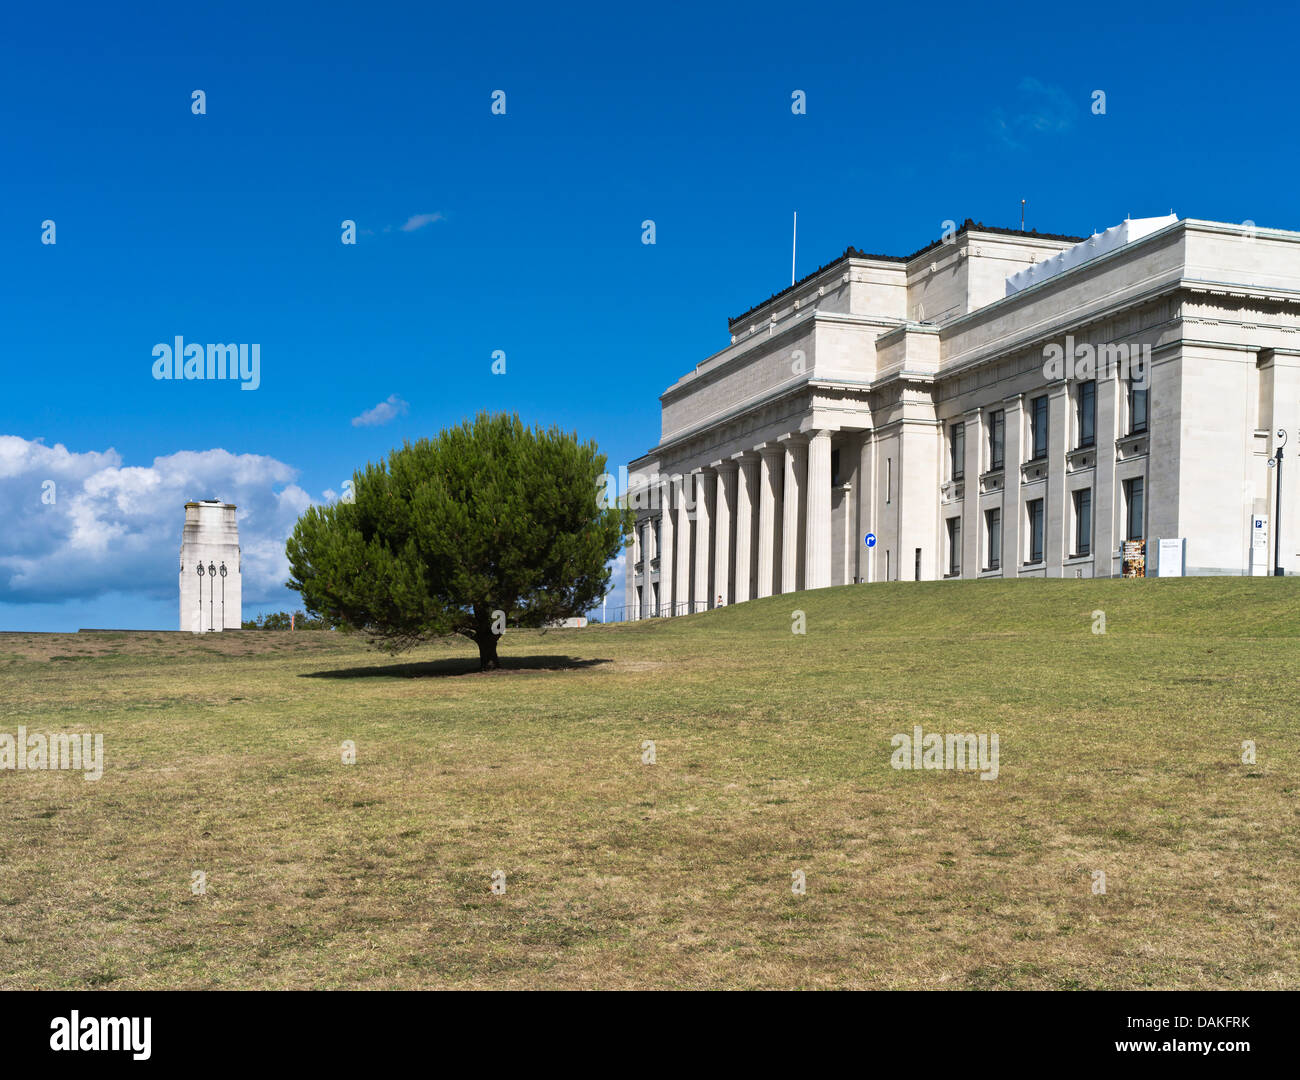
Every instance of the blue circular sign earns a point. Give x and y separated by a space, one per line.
871 539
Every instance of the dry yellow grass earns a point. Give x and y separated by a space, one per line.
1119 753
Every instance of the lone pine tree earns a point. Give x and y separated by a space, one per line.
486 523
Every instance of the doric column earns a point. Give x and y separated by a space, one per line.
746 483
633 556
1013 515
703 535
682 584
769 468
796 465
1109 394
726 512
817 556
867 507
1059 440
846 569
647 553
667 537
971 523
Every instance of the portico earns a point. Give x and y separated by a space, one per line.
740 527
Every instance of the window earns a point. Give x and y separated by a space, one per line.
659 536
1083 522
1038 422
1137 408
957 450
954 546
918 565
887 561
993 535
1088 413
835 469
1036 530
1134 491
997 439
889 479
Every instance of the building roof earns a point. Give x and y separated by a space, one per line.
856 253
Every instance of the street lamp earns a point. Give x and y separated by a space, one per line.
1276 462
201 572
212 573
223 596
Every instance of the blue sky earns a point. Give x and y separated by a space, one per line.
520 232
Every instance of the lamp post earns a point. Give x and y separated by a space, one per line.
201 572
1276 462
212 573
223 596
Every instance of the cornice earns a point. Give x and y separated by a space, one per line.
742 356
805 384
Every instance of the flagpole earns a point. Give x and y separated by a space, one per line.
794 243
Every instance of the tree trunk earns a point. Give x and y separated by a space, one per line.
487 640
487 652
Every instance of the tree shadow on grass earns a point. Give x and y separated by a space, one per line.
435 669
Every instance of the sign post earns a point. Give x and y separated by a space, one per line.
1133 558
1259 545
1172 557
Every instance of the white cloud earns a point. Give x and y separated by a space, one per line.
389 409
419 221
113 528
1040 109
616 597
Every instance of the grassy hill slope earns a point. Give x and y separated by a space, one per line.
1119 753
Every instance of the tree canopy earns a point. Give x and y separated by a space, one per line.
490 522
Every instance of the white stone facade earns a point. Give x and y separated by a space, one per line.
911 397
209 575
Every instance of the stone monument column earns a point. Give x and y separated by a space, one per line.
210 578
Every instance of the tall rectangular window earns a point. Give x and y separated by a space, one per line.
918 565
997 439
1036 530
1134 493
993 535
1038 426
957 449
1137 408
954 545
1088 413
1083 522
889 479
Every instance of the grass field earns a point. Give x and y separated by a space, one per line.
1119 753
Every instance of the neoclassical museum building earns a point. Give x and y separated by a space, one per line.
1000 403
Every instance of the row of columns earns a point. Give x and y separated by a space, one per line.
785 484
